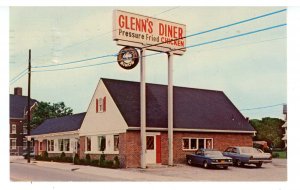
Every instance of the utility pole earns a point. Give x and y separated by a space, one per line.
28 107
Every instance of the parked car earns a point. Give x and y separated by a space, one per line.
208 157
32 154
247 155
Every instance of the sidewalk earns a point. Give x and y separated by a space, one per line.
121 174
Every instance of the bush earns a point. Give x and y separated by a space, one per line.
88 159
116 162
275 155
95 163
108 164
76 159
44 155
102 160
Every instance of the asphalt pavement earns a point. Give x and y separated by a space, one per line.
53 171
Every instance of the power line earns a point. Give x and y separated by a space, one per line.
18 75
105 33
12 82
191 46
264 107
72 62
191 35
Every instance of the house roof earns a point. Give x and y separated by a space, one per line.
193 108
60 124
18 105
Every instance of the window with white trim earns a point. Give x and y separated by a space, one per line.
13 129
101 143
88 146
197 143
24 143
24 129
116 142
63 145
50 145
13 144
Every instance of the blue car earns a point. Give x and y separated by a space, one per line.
247 155
208 158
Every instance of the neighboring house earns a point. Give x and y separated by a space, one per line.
18 121
111 126
58 135
284 138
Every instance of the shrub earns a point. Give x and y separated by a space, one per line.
108 164
76 159
116 162
88 159
275 155
102 160
95 163
44 155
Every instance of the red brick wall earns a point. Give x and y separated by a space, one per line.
82 147
130 147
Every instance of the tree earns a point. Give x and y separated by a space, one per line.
269 130
45 110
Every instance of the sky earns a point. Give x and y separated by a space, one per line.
251 70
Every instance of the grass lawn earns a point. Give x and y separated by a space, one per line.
282 154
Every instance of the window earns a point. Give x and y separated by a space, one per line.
63 145
185 143
101 105
50 145
150 142
13 144
193 143
24 143
101 143
116 142
88 143
41 145
66 144
13 129
197 143
24 129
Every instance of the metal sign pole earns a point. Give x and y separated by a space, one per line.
143 109
170 108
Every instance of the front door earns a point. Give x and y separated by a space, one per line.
150 149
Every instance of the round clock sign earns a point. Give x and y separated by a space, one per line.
128 57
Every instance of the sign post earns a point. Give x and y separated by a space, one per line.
143 32
143 108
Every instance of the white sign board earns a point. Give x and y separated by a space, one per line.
135 30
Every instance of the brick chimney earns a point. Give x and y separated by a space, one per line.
18 91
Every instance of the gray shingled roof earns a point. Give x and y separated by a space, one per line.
193 108
60 124
18 105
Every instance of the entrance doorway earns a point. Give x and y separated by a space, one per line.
150 149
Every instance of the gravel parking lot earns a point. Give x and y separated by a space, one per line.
275 171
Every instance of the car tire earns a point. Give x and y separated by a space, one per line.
189 161
258 165
205 164
225 167
239 163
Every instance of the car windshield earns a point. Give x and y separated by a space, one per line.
213 153
249 150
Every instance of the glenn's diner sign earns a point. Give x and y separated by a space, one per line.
135 30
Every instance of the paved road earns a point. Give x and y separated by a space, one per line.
276 171
52 171
26 172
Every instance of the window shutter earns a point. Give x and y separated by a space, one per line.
104 104
97 105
